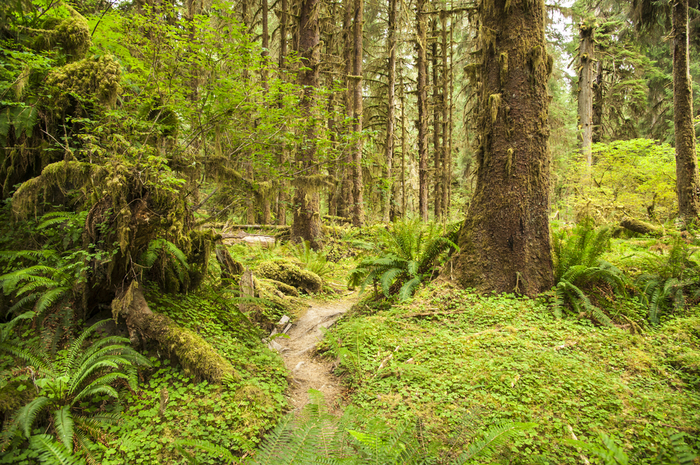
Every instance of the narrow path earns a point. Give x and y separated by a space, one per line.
307 370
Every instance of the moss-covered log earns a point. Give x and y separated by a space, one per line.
641 227
197 357
289 273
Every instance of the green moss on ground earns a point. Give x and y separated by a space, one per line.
457 359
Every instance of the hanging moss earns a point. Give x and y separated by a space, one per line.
494 105
71 34
98 77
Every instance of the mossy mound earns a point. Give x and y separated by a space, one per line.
290 274
96 76
71 34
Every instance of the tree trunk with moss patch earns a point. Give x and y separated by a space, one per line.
585 88
422 85
504 241
687 178
358 212
307 221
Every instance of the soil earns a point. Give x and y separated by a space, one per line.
308 370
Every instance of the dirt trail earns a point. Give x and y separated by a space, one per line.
308 371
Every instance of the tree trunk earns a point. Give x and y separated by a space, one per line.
504 241
585 88
421 65
346 200
687 179
389 147
307 221
446 121
403 148
437 126
358 213
598 92
282 196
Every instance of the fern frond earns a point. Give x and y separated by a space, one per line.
495 436
95 388
388 278
408 288
38 361
27 415
684 454
63 422
52 452
49 298
76 347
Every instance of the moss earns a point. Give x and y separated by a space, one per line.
285 289
291 274
503 60
71 34
95 76
197 357
509 161
494 104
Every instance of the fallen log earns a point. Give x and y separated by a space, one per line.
641 227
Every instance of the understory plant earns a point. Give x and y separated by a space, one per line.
579 269
316 436
65 386
412 252
670 280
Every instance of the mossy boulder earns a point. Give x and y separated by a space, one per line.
290 274
14 395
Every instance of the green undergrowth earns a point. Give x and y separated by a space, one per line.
170 406
451 355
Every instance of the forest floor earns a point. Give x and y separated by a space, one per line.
309 371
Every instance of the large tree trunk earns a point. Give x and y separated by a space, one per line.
504 241
421 65
358 212
687 179
585 88
446 122
437 126
346 200
391 105
282 196
307 221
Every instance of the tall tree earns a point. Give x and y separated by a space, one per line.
391 107
504 241
687 179
358 213
422 90
307 221
282 154
587 62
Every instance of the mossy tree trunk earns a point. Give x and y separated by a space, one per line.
586 58
422 89
346 200
504 241
307 220
390 111
358 211
282 156
446 121
437 123
687 179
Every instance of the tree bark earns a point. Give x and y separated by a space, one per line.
391 106
437 126
585 88
504 241
422 84
282 196
687 178
446 119
358 213
307 221
346 200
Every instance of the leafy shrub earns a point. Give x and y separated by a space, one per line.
412 252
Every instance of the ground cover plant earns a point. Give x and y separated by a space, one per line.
450 355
